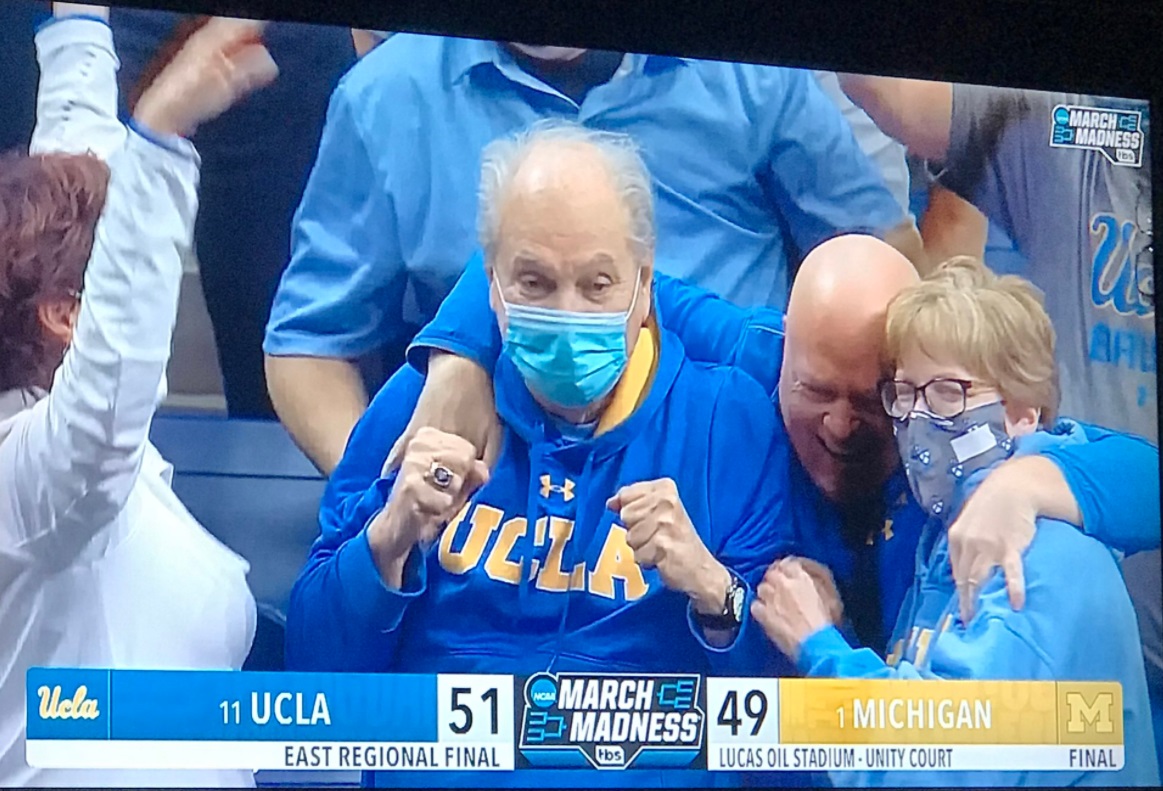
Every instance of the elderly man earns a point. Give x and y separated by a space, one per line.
386 222
631 505
853 510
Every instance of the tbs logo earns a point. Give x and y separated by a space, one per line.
542 691
610 755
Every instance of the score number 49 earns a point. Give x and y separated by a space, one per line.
742 711
754 705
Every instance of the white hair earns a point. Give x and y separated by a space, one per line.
503 157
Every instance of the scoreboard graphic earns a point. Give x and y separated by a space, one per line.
99 719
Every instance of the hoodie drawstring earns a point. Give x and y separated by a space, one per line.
571 553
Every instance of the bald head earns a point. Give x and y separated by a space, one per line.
834 360
564 179
842 290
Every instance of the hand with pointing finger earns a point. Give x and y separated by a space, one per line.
661 534
438 474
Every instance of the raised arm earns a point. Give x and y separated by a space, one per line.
342 616
73 458
76 103
709 326
346 607
1113 485
917 113
821 180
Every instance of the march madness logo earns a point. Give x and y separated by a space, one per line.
611 721
1117 134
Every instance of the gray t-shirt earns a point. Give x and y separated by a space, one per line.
1043 167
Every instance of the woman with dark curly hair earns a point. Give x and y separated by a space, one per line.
49 207
100 564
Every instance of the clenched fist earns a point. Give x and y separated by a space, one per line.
218 66
661 534
789 606
438 474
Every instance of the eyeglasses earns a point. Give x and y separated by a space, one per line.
944 397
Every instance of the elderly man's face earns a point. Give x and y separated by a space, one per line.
566 246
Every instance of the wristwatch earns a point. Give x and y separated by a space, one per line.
731 616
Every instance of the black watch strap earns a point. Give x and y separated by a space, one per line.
731 616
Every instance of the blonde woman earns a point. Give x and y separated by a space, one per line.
976 384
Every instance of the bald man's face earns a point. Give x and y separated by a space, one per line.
831 407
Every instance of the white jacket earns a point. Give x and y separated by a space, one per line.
100 564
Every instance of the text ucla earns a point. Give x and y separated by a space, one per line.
503 562
289 708
78 707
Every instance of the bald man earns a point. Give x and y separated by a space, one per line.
832 366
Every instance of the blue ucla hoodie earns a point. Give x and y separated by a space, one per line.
1077 625
536 574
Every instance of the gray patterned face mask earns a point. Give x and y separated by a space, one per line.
939 453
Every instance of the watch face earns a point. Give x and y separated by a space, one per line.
738 595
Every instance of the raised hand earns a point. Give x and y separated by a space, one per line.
219 65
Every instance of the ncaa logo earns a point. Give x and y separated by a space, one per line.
543 692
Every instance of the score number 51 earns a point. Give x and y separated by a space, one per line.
474 708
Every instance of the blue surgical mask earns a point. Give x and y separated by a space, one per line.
572 359
939 453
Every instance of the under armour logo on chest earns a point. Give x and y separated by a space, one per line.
548 487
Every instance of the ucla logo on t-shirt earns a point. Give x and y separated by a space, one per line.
1116 134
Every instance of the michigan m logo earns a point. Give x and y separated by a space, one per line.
1097 714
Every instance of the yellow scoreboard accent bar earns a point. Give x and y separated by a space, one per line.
848 711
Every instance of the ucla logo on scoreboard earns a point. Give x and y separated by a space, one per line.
67 703
611 721
79 707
